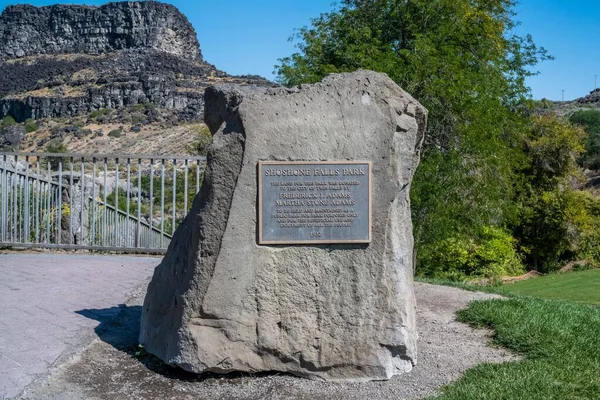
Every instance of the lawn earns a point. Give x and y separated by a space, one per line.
581 287
558 340
554 323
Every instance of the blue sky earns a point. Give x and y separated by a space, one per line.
248 36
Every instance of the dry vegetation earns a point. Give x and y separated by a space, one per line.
151 139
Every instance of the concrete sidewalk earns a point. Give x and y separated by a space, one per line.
51 303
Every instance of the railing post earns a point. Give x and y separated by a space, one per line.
48 201
116 228
38 198
162 201
4 195
93 205
185 188
151 192
82 208
15 185
174 207
27 203
139 205
127 235
104 211
71 195
60 198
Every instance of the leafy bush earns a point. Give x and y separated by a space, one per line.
30 125
544 104
493 253
115 133
7 121
558 226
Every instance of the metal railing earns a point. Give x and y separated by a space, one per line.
102 202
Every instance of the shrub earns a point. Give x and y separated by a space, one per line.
558 226
99 113
115 133
83 132
7 121
491 254
30 126
202 140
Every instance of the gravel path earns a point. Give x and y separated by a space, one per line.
113 368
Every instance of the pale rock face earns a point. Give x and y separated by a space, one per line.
220 302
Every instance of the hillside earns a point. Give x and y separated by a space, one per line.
81 72
566 108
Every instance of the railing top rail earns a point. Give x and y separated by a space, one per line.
32 176
109 156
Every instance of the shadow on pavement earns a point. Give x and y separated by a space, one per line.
120 328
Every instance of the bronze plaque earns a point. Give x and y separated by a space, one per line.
303 202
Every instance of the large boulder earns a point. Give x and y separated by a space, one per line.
11 136
221 302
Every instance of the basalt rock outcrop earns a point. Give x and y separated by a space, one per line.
66 29
10 137
64 61
593 98
221 302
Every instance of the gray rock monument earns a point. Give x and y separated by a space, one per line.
297 255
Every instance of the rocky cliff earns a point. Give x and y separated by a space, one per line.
66 61
27 30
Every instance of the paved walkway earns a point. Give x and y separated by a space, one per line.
50 305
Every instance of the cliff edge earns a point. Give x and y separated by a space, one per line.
28 31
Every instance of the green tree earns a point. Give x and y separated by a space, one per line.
555 223
463 62
553 145
590 121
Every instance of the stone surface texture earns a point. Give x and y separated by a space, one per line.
27 30
10 137
219 302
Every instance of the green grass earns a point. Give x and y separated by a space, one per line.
581 287
546 322
560 342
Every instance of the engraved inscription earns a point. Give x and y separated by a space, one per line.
306 202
